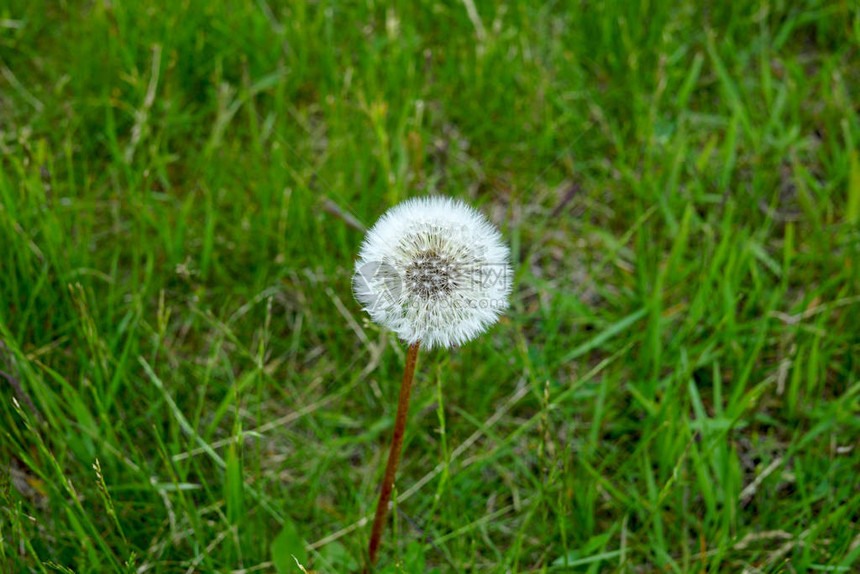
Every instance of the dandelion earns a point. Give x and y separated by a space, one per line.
435 272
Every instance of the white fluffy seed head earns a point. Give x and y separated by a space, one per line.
433 270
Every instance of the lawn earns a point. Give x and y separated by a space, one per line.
187 383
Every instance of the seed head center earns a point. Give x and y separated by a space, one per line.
430 275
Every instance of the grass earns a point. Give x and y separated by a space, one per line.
189 386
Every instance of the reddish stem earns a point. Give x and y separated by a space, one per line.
393 454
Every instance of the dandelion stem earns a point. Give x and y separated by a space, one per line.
393 454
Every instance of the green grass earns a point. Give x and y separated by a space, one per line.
188 383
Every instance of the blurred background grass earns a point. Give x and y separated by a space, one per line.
188 385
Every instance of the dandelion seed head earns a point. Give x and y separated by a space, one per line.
433 270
